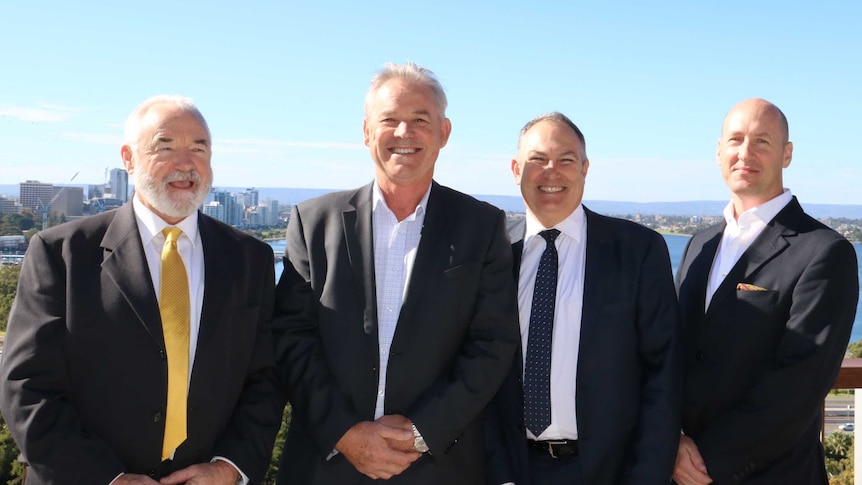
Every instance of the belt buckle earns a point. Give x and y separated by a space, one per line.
551 444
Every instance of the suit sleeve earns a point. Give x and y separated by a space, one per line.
249 437
656 438
806 363
34 384
309 383
485 356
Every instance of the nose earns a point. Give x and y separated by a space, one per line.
403 129
552 168
744 150
184 161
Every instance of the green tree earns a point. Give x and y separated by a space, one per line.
838 447
855 349
272 471
10 469
8 287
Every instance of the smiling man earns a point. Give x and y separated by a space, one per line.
138 347
396 319
593 396
768 298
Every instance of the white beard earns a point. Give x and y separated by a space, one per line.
175 205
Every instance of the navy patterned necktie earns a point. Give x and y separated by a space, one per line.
537 369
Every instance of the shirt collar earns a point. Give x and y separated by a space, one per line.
765 212
151 225
377 200
572 226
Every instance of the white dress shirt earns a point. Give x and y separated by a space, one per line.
738 235
191 251
571 249
395 246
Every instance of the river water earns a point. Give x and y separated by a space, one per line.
676 246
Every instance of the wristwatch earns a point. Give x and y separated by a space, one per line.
418 441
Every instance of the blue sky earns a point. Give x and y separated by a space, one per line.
282 84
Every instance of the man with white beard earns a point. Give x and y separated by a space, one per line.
139 346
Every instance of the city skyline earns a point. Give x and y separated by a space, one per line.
282 87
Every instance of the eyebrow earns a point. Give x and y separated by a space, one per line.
417 112
199 141
543 154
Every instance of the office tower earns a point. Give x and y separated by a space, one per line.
8 205
68 200
216 210
250 197
35 195
119 183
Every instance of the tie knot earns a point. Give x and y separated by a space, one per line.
172 233
550 235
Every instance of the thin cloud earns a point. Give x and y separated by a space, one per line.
254 145
95 138
44 113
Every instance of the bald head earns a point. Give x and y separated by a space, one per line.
762 109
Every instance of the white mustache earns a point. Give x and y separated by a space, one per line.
178 176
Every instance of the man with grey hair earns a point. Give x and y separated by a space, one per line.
139 345
395 315
593 396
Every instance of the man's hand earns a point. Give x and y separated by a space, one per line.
218 472
132 479
366 447
398 422
690 469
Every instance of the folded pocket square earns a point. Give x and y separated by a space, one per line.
748 287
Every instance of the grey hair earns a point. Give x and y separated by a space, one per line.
560 118
132 126
410 72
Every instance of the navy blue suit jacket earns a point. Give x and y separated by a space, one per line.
629 365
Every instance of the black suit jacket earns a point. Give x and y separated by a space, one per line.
84 375
760 363
629 365
455 338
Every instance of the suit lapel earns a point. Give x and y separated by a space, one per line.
517 230
771 242
124 253
431 246
218 275
600 266
359 236
697 278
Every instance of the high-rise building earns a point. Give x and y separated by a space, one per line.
35 195
249 197
232 210
119 183
9 205
215 210
68 200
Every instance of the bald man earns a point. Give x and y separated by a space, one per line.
768 299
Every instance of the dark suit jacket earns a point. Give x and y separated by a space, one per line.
759 363
84 376
456 334
629 365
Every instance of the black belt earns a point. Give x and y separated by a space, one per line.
556 448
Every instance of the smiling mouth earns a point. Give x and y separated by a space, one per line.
404 151
551 189
182 184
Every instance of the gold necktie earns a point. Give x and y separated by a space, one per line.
174 308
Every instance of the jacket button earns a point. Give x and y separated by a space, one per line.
151 474
157 417
162 355
699 355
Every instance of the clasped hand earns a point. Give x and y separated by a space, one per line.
379 449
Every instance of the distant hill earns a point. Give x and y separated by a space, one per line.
514 203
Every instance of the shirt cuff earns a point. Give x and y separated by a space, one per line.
116 478
241 474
